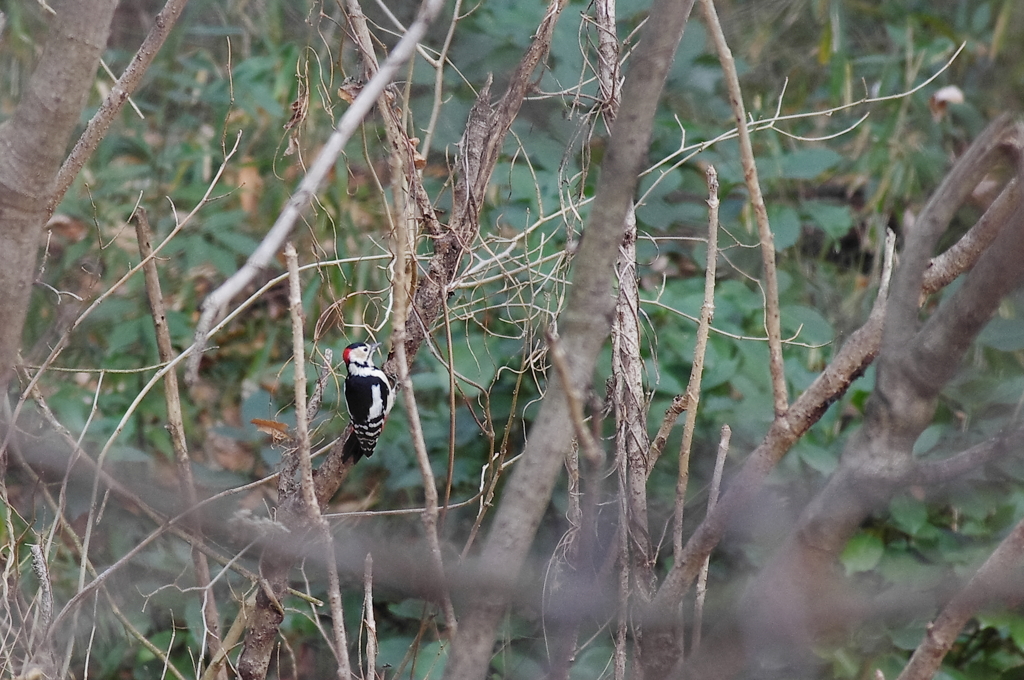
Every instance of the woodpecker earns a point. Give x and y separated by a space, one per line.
369 396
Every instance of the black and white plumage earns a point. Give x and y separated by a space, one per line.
369 396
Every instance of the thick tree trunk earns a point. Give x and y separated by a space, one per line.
33 143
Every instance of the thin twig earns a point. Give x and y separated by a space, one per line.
41 569
308 490
66 337
678 405
773 317
403 244
430 513
368 619
579 539
176 424
233 635
442 58
321 385
707 312
983 588
853 357
451 411
702 578
305 466
491 472
667 165
591 450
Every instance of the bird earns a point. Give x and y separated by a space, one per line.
369 396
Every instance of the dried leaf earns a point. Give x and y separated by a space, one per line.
278 432
350 89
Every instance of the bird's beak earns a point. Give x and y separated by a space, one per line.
373 346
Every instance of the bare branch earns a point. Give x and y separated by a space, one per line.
368 619
707 313
583 327
702 577
176 424
772 315
305 465
678 405
783 605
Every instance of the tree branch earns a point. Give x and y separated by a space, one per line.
783 605
772 314
32 145
584 327
849 362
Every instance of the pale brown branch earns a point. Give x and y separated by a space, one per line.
404 179
630 402
369 620
578 541
33 143
954 467
591 450
707 313
233 635
302 452
305 466
442 59
678 405
915 364
176 424
849 362
959 257
446 317
772 315
905 299
430 513
42 661
702 577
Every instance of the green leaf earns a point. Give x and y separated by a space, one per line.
1006 335
835 220
670 380
805 164
909 514
785 223
818 458
929 438
1016 630
862 553
813 327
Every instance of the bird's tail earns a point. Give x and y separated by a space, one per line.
351 450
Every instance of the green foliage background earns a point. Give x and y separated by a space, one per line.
233 68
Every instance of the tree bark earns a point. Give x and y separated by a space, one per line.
32 146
